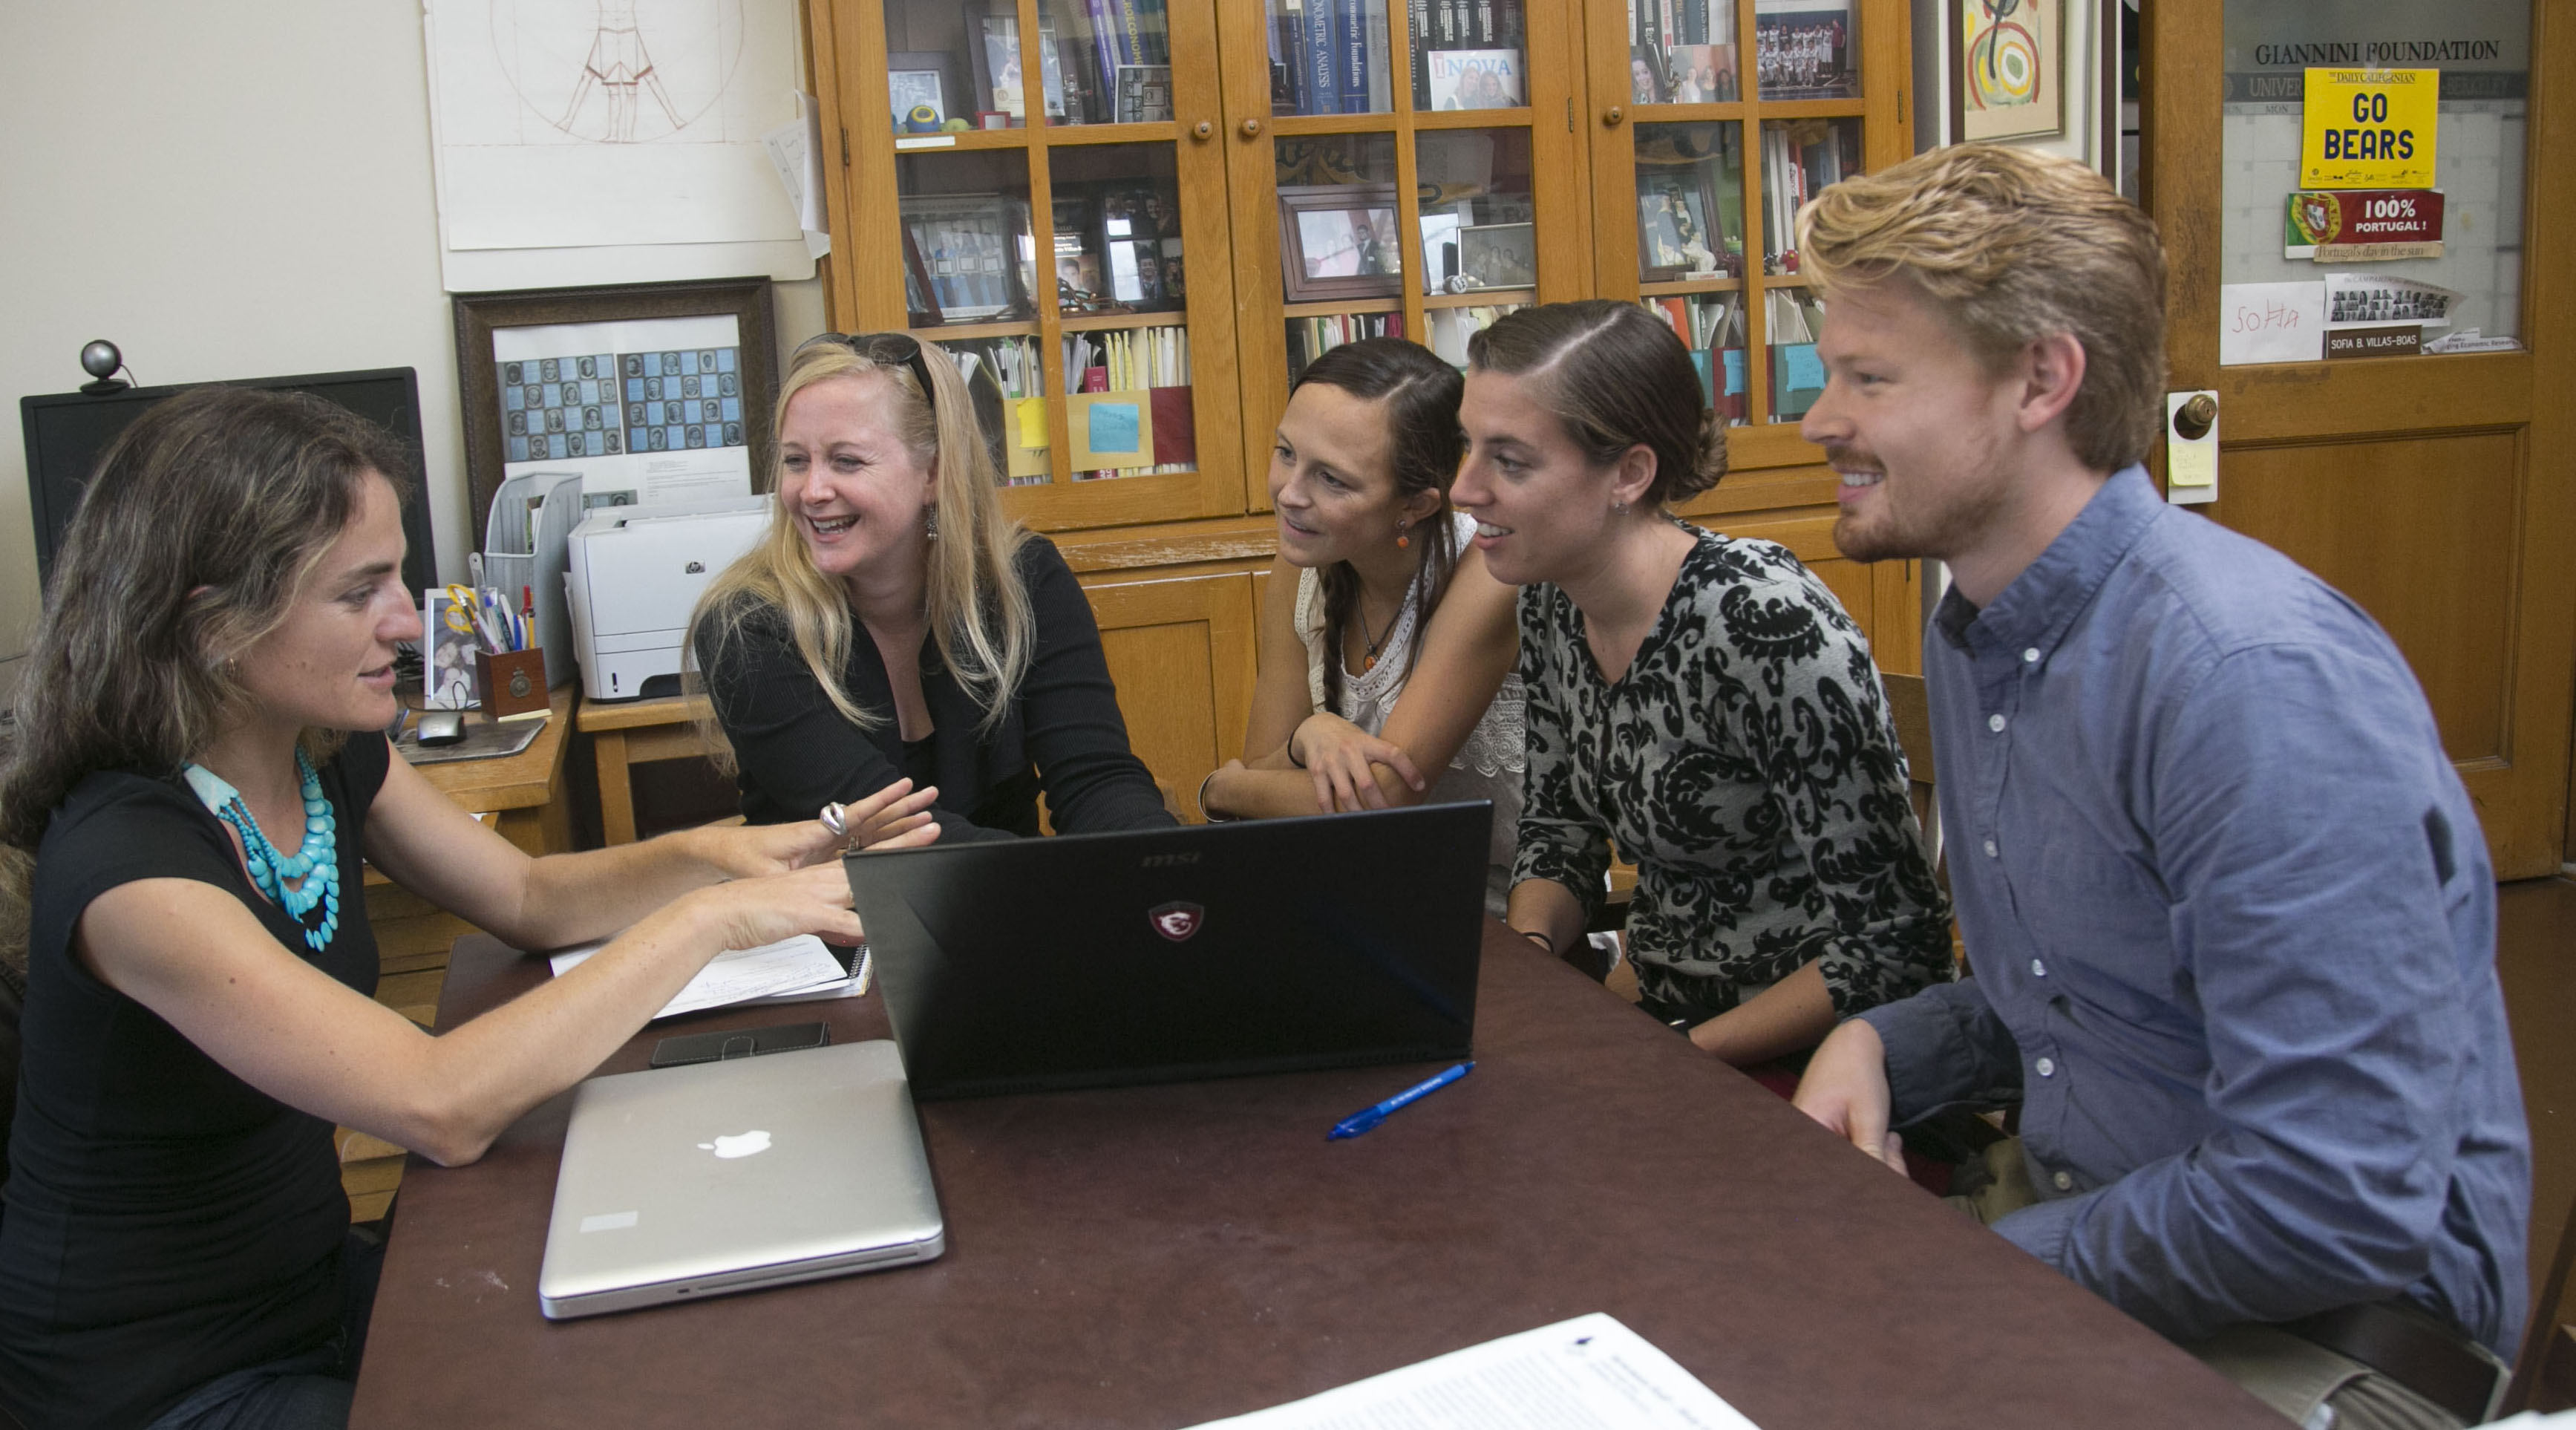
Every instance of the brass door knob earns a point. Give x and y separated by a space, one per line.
1613 115
2192 420
1202 130
1252 129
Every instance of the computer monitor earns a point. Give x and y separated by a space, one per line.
67 432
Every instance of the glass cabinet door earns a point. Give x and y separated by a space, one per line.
1040 235
1390 166
1714 122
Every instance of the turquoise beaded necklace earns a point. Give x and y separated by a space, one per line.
317 863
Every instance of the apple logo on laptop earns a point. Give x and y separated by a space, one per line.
740 1144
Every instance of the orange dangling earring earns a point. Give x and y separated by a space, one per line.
1401 540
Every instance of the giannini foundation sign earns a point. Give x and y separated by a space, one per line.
2482 48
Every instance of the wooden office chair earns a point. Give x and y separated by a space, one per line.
1909 707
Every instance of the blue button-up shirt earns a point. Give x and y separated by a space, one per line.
2233 930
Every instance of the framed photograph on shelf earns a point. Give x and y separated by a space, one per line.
2007 76
968 246
1144 94
1806 49
1674 215
911 91
1701 74
1475 79
1499 255
661 390
1339 241
996 57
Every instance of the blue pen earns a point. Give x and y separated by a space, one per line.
1359 1122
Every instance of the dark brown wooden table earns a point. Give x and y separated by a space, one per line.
1158 1256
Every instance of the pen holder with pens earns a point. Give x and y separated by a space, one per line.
511 682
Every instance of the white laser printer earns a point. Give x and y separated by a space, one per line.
633 574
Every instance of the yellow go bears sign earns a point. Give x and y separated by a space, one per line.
2369 129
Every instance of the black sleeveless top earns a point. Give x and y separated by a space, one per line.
165 1223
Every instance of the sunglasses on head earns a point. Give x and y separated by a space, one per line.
886 348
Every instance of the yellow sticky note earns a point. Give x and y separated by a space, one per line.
2191 464
1033 423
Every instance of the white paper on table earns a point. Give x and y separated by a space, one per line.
1575 1375
739 975
2271 322
854 986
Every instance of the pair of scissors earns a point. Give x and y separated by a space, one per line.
460 610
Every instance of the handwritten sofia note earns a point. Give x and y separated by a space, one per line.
2271 322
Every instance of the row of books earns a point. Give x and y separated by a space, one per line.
1132 410
1712 327
1311 338
1797 374
1117 70
1001 375
1332 56
1799 159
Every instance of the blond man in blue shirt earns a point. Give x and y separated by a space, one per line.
2228 908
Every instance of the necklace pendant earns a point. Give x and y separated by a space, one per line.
1368 664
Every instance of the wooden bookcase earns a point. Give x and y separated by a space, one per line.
1262 208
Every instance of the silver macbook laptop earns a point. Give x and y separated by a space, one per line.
686 1182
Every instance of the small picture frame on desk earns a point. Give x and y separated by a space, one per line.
642 387
1339 241
447 665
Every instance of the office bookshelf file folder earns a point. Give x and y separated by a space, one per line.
523 538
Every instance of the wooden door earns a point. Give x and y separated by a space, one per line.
2437 491
1181 653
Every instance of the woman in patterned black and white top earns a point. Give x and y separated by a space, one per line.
1701 699
1386 648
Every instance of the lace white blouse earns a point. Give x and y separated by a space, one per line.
1488 766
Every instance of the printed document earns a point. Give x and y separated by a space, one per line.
796 966
1575 1375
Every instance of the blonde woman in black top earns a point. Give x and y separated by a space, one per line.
199 770
895 623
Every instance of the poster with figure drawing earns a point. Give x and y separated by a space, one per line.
568 123
2009 80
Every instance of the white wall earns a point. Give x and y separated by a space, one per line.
225 190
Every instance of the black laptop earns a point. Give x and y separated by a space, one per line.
1171 954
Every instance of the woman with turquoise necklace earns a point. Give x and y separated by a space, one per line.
199 772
